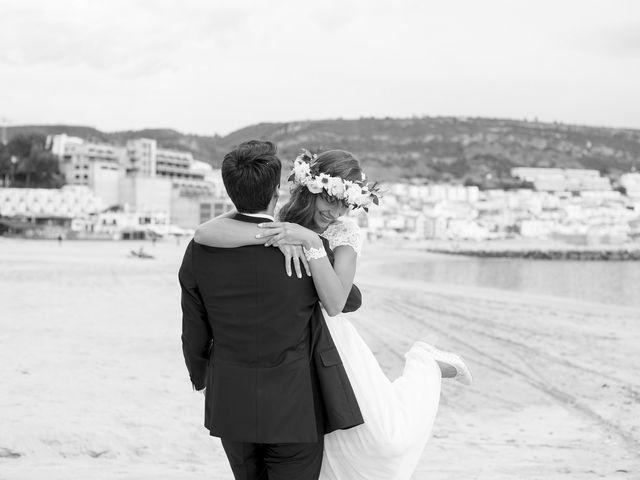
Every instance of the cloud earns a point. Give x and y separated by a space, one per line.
622 40
118 36
205 65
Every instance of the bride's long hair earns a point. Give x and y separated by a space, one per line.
301 206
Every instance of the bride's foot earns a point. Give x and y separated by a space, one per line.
451 365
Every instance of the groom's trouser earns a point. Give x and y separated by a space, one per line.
274 461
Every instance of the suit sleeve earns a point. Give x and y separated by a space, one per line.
354 300
196 333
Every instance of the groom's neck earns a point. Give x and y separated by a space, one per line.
268 211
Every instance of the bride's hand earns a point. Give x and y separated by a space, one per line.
286 233
294 254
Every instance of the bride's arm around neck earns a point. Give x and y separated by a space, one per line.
333 282
224 232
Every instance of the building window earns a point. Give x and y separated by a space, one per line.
205 212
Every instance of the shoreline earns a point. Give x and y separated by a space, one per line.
567 254
540 249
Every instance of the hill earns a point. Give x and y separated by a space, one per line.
475 150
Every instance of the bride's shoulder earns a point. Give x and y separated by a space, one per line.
345 231
343 226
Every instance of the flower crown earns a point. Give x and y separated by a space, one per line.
354 194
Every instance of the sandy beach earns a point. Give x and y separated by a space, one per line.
94 385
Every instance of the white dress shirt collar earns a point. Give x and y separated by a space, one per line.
259 215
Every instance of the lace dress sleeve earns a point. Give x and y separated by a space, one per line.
344 232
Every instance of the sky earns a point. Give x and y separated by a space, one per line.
213 66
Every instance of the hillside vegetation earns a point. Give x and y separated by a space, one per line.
472 150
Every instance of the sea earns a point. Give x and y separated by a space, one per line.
606 282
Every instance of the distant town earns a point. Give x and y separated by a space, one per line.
139 190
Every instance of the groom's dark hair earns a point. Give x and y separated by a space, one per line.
251 174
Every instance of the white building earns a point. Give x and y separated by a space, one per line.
67 202
533 228
434 191
141 157
127 225
59 143
465 229
143 177
145 193
631 183
190 191
144 158
562 179
95 165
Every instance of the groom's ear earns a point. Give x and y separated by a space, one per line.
276 193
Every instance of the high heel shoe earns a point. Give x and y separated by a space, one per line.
449 359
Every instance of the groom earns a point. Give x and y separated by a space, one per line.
256 339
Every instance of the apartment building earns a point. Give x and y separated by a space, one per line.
141 176
563 179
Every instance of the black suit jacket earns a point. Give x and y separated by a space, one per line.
257 340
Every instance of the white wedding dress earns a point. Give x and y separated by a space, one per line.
398 415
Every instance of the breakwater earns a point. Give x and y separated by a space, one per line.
545 254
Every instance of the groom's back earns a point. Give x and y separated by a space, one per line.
246 336
260 384
258 315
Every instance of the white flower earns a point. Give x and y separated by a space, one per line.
336 187
352 192
365 201
301 171
324 180
315 185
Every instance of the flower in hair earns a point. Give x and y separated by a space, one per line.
301 171
355 194
314 185
336 187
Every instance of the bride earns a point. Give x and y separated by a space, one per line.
398 415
